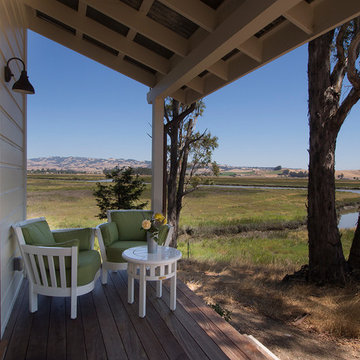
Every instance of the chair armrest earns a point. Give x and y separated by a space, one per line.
86 236
101 242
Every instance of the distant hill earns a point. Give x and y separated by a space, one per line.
96 166
82 164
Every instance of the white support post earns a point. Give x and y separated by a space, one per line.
157 155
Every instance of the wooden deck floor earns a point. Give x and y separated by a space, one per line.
108 327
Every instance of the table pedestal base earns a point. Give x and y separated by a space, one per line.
158 273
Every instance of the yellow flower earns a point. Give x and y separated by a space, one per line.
146 224
160 218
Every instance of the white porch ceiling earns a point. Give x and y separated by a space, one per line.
186 49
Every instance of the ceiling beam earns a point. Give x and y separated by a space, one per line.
146 6
196 84
220 69
288 38
179 95
253 48
194 10
101 33
246 20
142 24
337 13
93 52
301 15
82 14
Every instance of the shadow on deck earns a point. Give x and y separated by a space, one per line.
107 327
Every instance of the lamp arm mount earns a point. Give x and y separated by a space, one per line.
8 73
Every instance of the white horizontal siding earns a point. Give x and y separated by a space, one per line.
10 178
12 155
10 130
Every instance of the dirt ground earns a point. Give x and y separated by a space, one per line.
293 338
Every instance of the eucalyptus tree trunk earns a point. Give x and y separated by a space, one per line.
326 258
326 116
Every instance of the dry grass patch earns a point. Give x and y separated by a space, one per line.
259 289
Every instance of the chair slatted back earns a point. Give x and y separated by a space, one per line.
35 258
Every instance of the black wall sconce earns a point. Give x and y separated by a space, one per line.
23 84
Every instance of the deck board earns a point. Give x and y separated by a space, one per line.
40 329
107 327
94 344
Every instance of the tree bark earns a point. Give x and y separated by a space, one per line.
172 183
326 259
354 257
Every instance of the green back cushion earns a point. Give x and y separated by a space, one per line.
129 224
83 235
163 232
38 233
70 243
109 232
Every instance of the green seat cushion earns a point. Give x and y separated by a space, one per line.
70 243
129 224
115 250
83 235
109 232
89 263
38 233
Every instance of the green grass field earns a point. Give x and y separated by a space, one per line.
287 248
68 202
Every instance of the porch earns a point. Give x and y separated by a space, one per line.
107 327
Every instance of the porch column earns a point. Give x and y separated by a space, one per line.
157 159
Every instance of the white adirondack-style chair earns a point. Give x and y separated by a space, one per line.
133 237
48 268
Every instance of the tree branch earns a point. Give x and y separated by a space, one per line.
338 72
345 107
353 74
166 114
178 118
197 138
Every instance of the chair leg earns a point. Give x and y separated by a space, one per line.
33 299
104 275
73 301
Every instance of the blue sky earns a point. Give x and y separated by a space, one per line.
93 111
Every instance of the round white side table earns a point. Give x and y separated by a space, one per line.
157 267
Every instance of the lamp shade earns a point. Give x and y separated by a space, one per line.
23 84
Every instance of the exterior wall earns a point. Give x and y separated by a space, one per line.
12 156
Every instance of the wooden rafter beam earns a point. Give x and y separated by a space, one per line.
246 20
301 15
82 14
194 10
101 33
286 39
93 52
253 48
142 24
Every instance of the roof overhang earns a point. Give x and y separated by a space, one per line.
185 49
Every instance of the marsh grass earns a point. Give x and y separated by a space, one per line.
282 248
